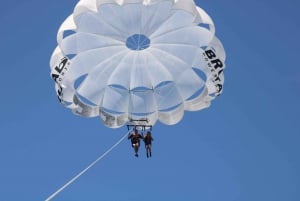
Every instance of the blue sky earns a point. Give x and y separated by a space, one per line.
245 147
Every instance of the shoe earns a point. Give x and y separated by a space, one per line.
136 155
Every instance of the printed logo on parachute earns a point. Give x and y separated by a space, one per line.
58 74
216 67
59 71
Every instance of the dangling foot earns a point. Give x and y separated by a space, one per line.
150 154
136 155
147 155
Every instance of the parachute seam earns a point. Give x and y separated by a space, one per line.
182 100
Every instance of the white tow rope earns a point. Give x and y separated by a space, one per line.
87 168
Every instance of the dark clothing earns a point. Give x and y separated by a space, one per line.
148 140
135 139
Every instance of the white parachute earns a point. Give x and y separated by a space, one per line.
137 59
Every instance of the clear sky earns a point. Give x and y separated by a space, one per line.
245 147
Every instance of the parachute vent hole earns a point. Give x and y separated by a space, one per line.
200 74
85 100
77 84
137 42
204 48
79 81
70 56
162 84
68 33
196 94
116 86
140 89
206 26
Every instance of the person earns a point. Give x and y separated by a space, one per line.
135 141
148 142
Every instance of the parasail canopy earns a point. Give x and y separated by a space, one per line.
137 59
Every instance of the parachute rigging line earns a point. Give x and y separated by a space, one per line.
87 168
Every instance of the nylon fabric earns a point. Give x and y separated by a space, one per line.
96 73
